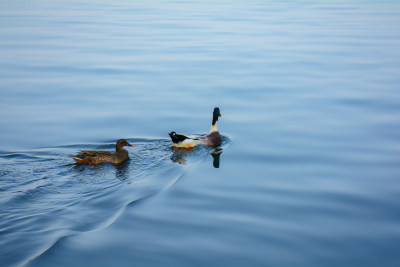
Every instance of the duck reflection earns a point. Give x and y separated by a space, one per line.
180 155
122 170
216 155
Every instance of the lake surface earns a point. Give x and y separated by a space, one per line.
308 172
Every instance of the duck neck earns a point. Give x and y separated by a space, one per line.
119 148
214 127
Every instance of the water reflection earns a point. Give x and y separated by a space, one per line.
216 155
182 155
121 170
80 167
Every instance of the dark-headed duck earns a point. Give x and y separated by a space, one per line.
211 139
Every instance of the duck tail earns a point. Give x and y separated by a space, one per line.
177 138
78 158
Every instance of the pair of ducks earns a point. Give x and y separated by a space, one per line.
178 140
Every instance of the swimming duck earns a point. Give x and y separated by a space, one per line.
97 157
211 139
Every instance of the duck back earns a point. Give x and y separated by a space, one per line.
212 139
97 157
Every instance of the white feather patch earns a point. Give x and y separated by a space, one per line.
187 143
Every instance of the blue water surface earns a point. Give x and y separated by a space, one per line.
307 173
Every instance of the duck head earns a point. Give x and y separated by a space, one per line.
216 114
121 143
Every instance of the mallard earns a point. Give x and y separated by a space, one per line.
97 157
211 139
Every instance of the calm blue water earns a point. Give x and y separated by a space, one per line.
309 168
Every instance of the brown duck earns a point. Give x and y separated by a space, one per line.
213 138
97 157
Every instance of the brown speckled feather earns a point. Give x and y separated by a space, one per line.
97 157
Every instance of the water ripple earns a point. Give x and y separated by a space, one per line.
45 195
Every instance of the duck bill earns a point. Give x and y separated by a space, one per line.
220 115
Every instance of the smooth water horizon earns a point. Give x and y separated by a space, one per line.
307 173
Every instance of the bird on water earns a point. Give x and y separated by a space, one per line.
94 157
213 138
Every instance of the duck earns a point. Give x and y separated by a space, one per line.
94 157
213 138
